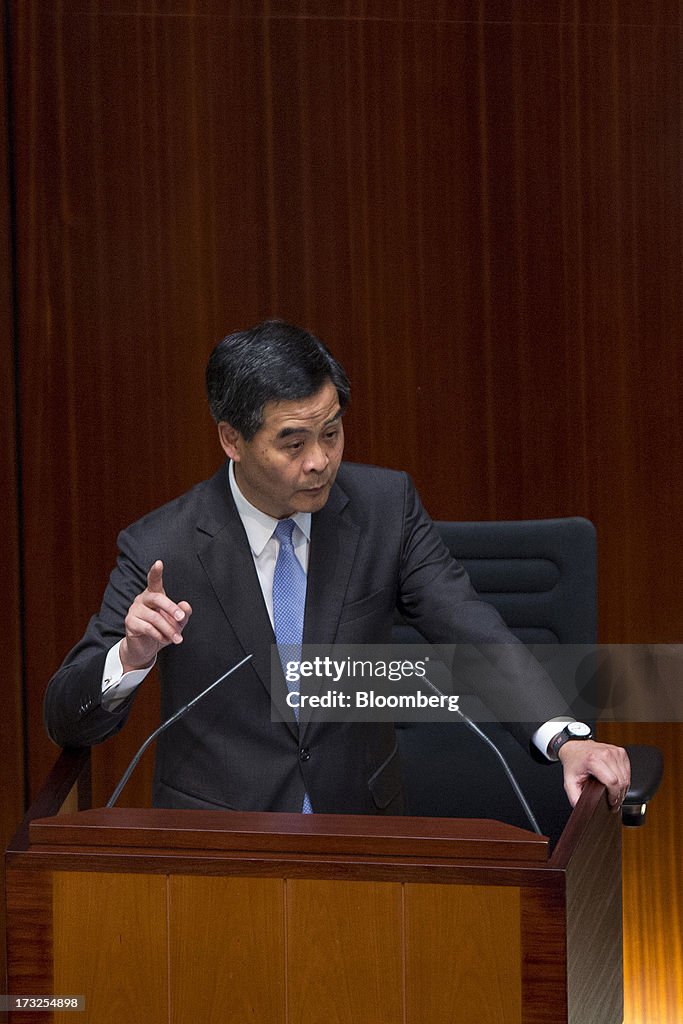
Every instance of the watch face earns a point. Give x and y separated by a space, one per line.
579 729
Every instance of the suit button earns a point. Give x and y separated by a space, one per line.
304 754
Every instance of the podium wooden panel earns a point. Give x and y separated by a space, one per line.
183 916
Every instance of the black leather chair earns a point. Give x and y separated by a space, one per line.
541 576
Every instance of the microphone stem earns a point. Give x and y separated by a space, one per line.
164 725
506 767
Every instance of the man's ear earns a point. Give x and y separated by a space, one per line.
230 440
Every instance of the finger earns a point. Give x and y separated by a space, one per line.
147 620
148 632
572 787
615 782
615 798
615 773
151 600
619 792
186 610
182 616
155 577
625 766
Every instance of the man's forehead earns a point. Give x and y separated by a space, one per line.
302 413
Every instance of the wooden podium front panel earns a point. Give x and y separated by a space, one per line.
338 952
227 949
463 954
345 952
174 949
110 944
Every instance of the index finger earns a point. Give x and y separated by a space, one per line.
155 577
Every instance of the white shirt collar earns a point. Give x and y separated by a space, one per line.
258 525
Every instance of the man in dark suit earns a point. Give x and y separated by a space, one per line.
193 587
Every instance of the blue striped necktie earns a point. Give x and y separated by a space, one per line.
289 599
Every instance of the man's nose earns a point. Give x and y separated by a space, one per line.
316 460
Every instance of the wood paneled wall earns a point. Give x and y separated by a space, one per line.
477 203
11 717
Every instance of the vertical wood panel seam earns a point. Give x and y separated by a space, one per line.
624 351
69 352
169 1008
580 296
486 269
270 159
525 413
306 208
285 922
404 954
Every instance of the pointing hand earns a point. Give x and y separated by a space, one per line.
153 621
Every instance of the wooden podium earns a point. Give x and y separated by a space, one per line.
191 916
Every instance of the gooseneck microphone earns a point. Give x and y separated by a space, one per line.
164 725
506 767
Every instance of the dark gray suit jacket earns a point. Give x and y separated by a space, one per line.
373 549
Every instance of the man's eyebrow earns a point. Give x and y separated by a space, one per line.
288 431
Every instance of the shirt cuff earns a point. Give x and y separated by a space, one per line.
543 735
118 685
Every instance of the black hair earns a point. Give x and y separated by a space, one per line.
272 362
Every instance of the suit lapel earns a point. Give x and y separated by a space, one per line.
226 558
334 540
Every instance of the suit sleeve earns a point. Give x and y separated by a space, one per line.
72 708
436 596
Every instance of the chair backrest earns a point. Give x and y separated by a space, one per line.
541 576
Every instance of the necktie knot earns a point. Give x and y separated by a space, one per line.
284 530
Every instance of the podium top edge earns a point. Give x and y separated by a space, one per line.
275 833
